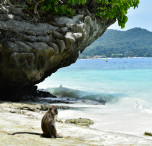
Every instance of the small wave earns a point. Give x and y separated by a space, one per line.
77 94
141 106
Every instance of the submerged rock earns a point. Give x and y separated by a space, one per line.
32 50
80 122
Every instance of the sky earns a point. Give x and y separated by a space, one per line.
139 17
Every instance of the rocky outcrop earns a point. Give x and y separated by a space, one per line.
31 50
80 122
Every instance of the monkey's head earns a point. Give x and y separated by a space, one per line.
53 109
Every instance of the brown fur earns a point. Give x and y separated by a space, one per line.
48 123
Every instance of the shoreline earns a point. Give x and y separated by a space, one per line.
91 58
26 117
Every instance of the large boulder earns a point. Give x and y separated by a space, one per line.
31 50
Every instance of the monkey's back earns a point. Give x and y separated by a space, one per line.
46 123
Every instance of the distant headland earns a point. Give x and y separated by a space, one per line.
136 42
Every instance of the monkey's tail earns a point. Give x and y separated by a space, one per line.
34 133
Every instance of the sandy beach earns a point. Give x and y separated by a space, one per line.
26 117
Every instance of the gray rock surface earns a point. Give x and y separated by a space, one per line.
30 51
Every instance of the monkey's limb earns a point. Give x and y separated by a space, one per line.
53 132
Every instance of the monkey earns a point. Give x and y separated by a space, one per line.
48 123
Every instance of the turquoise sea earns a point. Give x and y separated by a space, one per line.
117 78
123 84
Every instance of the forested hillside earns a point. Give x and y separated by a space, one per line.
135 42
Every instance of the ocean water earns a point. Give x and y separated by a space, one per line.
123 85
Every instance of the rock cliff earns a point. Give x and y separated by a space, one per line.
31 50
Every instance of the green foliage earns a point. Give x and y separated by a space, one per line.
75 2
104 8
132 43
115 9
61 8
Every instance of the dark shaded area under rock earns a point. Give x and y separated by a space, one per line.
30 94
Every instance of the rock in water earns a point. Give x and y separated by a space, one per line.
148 133
30 52
80 122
